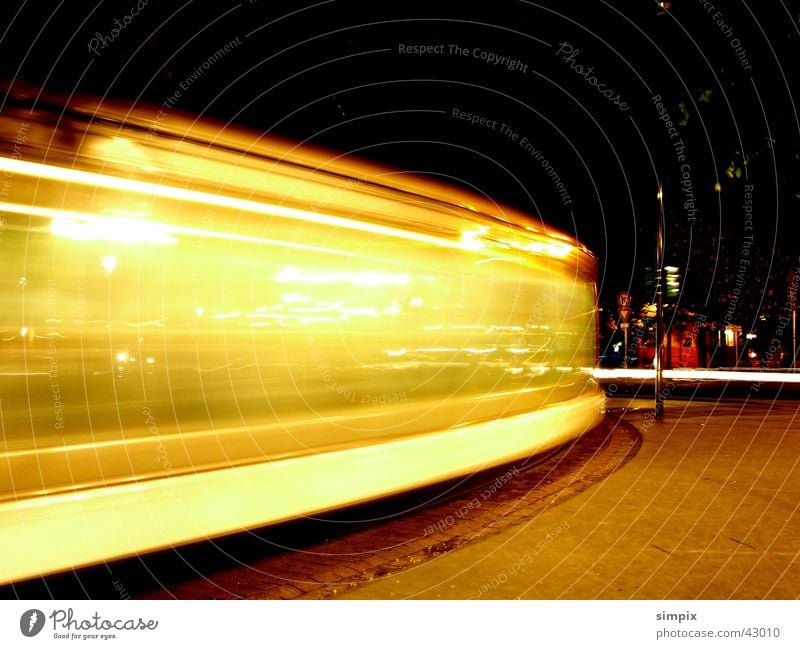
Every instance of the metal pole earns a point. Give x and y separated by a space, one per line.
625 348
659 410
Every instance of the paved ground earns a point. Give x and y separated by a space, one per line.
708 508
392 536
703 504
324 556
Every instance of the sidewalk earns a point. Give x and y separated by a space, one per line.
707 509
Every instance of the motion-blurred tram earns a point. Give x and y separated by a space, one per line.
204 331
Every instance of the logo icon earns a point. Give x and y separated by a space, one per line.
31 622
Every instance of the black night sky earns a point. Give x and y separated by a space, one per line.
610 96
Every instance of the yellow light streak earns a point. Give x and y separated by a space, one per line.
470 238
551 249
361 278
115 228
75 176
225 316
175 509
47 212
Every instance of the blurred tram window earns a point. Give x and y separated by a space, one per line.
189 303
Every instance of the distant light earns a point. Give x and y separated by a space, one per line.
729 333
751 336
224 316
291 298
150 360
23 331
122 357
469 238
107 228
199 311
520 350
717 187
109 263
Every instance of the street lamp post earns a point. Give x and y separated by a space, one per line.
794 335
659 410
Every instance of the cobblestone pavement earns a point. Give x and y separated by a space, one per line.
701 504
708 508
438 522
